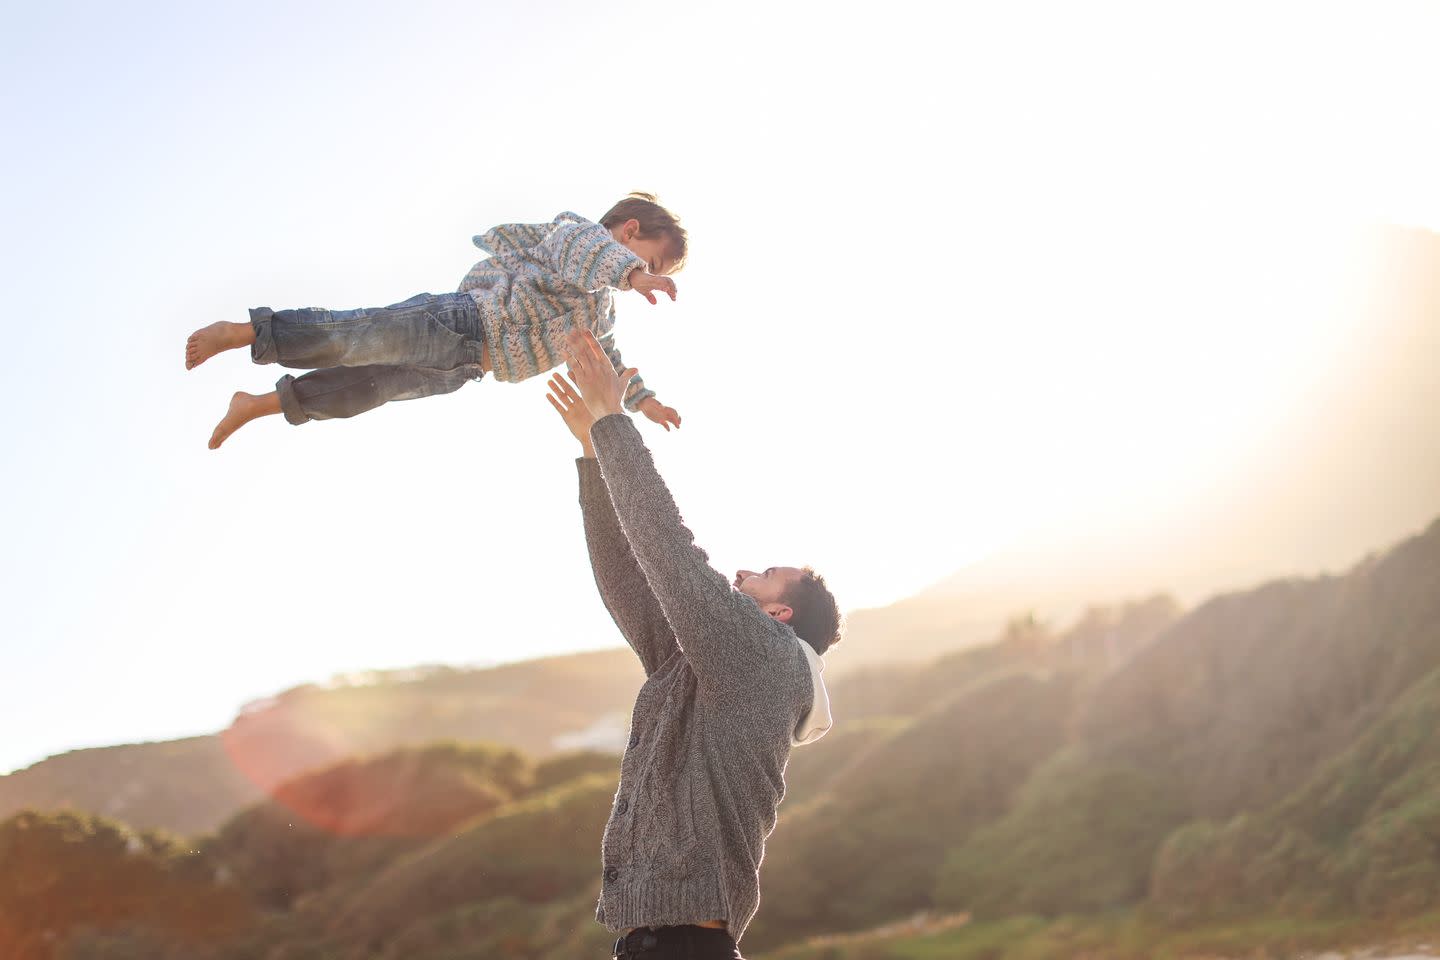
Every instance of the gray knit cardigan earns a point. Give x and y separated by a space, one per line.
729 690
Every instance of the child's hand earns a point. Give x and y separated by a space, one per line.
646 283
657 412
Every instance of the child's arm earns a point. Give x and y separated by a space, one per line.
638 397
637 393
586 255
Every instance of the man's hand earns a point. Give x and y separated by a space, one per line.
601 388
657 412
573 411
646 283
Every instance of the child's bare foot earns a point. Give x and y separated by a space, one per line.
208 341
244 407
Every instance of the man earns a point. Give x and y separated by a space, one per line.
733 682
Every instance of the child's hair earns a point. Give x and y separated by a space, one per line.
653 219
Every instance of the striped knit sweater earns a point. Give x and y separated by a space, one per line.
540 280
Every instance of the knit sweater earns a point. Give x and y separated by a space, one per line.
729 689
541 280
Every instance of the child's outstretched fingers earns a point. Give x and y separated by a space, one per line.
646 284
657 412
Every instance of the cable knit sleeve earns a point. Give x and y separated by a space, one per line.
738 652
636 392
622 585
585 255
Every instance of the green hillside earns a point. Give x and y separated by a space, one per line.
1258 774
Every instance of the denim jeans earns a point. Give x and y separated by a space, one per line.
427 345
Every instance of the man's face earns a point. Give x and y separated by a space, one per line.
766 587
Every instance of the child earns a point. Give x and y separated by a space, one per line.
509 318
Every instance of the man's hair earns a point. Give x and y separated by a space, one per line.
654 219
815 617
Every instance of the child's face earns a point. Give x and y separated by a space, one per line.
655 251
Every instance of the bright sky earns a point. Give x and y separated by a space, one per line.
936 256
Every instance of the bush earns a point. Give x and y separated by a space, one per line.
1081 838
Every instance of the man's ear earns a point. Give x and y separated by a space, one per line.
630 229
779 611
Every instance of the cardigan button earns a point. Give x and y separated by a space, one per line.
634 739
622 806
610 875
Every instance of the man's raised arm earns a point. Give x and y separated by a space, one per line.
724 634
623 588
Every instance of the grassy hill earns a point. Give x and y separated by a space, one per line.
193 785
1261 770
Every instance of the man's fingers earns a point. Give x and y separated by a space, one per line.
563 389
593 351
578 355
558 399
556 404
584 344
649 296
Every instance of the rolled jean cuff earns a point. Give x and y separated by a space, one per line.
289 402
263 349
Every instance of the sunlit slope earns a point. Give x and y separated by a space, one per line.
1271 733
1352 461
193 785
1270 752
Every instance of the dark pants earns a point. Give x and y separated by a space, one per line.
687 942
427 345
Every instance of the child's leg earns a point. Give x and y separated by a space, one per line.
340 392
434 331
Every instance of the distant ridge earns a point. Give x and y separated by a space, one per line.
191 786
1357 466
1269 755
